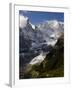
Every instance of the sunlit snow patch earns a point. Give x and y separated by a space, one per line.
38 59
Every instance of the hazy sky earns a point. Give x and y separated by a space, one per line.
36 17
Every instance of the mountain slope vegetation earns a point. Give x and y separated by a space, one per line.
53 64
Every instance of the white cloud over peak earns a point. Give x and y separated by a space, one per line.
23 21
54 24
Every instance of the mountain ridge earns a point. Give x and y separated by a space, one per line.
35 39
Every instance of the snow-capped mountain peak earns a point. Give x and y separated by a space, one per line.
54 24
50 24
33 26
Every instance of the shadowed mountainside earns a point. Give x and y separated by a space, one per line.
52 66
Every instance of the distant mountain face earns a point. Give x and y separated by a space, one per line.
44 33
37 39
52 64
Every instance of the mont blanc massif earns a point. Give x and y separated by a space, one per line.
41 49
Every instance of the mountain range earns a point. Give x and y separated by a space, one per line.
36 41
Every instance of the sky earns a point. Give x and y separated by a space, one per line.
37 17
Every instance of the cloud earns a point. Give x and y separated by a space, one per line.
22 21
54 24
